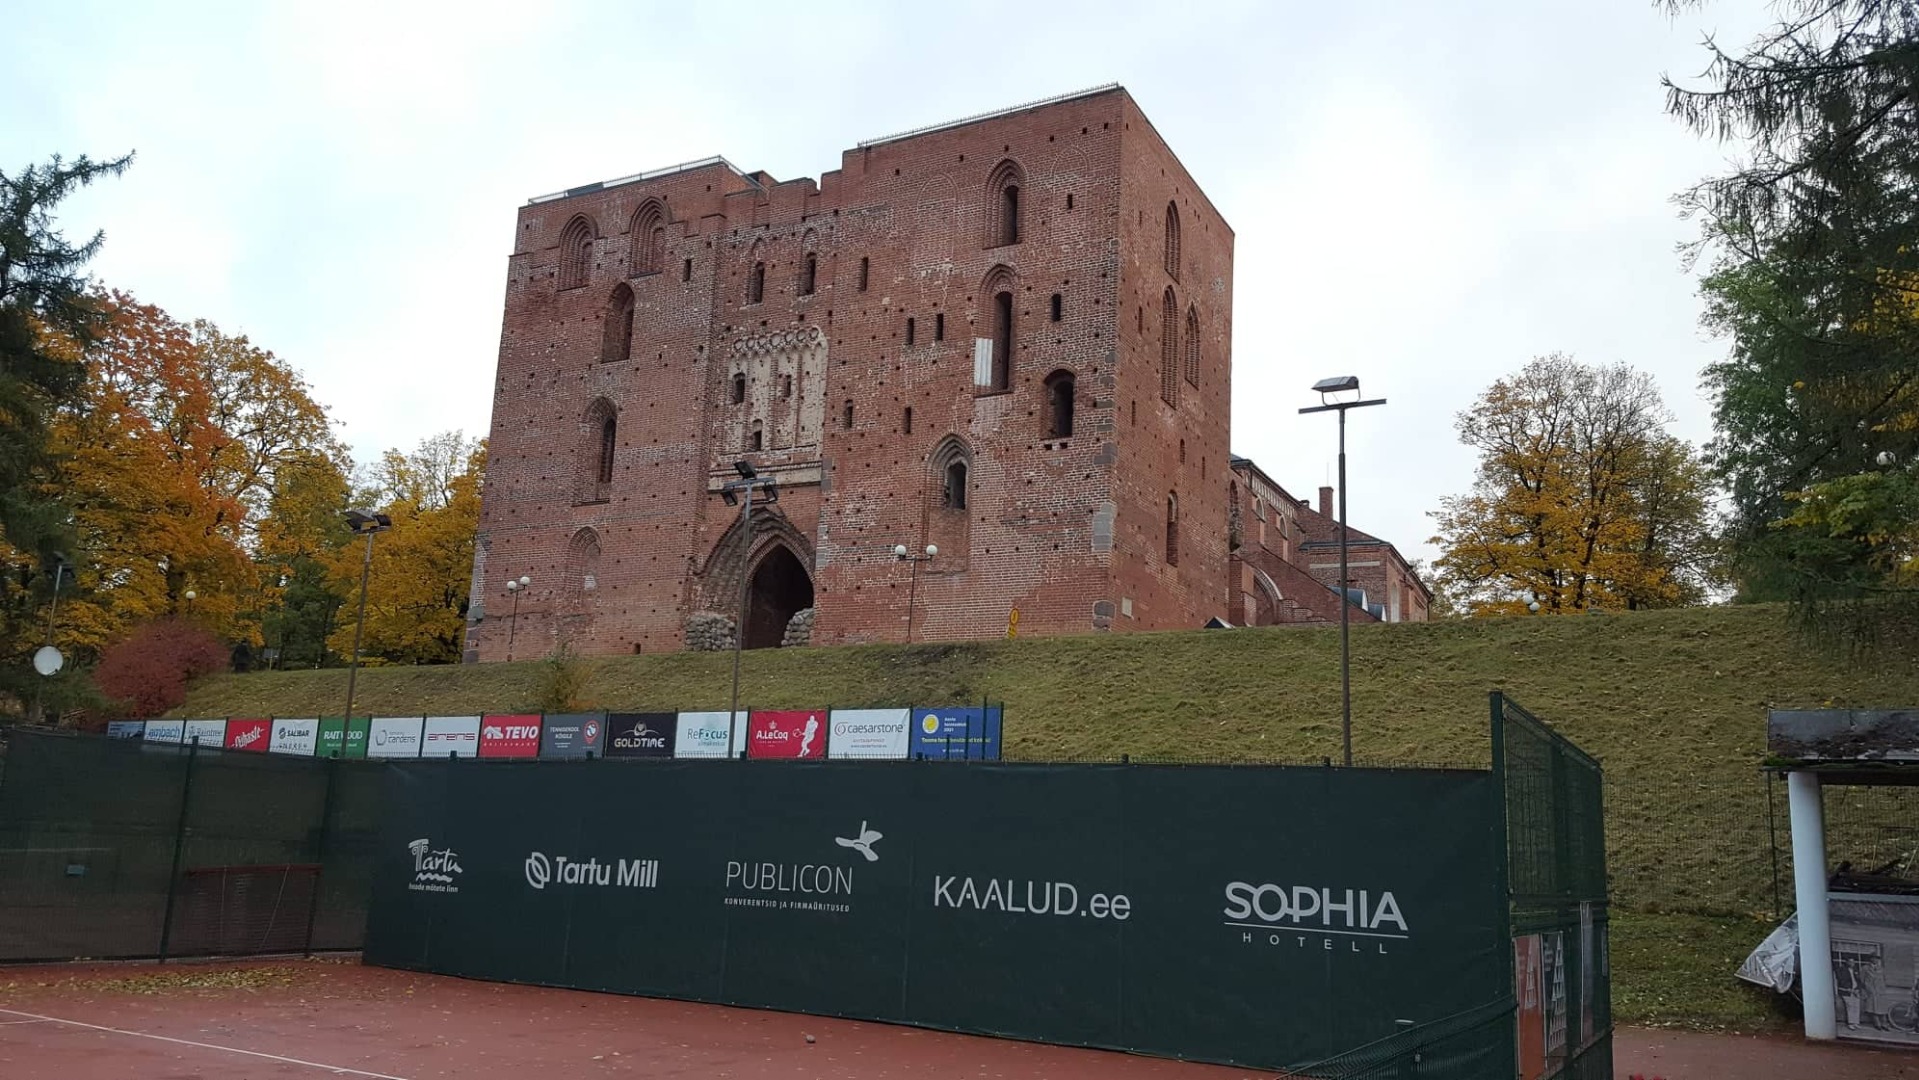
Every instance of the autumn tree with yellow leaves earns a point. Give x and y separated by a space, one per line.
417 591
1582 499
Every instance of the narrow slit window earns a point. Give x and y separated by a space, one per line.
739 389
864 265
846 418
609 431
906 421
1059 306
953 488
939 326
756 283
686 270
909 331
1003 341
1172 530
809 272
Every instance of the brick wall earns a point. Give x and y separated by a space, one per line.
736 275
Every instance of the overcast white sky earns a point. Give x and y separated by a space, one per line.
1425 194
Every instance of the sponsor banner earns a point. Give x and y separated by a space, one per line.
921 895
710 735
393 736
970 732
357 728
572 735
435 870
164 731
641 734
250 734
786 733
332 738
211 733
296 737
126 729
869 733
454 736
510 736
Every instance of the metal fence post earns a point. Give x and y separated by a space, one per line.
179 849
319 849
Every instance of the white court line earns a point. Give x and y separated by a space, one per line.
336 1069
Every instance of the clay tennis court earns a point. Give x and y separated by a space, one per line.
294 1019
297 1019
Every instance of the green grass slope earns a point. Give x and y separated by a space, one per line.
1673 703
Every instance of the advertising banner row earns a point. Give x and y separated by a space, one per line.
796 734
1273 918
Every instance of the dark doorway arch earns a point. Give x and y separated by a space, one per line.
779 589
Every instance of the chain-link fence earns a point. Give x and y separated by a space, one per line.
113 848
1556 879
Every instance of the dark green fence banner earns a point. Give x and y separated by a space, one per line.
1273 917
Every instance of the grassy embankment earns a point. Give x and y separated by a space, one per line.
1674 704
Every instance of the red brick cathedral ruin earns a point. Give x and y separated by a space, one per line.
1008 337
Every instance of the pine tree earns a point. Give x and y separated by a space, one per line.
1812 246
42 287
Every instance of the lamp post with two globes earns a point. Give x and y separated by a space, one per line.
913 589
514 588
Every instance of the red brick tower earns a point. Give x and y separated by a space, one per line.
1008 336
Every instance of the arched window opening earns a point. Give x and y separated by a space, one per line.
739 389
582 565
1003 204
756 283
576 253
1002 340
953 485
786 386
1059 399
1172 240
649 238
1192 347
617 336
846 416
809 272
757 441
1172 530
598 442
1169 350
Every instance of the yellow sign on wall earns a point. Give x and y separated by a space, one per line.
1012 624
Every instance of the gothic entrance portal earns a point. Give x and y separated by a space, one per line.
779 590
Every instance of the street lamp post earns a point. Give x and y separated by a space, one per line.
514 588
912 589
1325 387
47 660
740 492
368 524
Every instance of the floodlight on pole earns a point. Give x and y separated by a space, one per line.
1325 387
740 493
368 524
